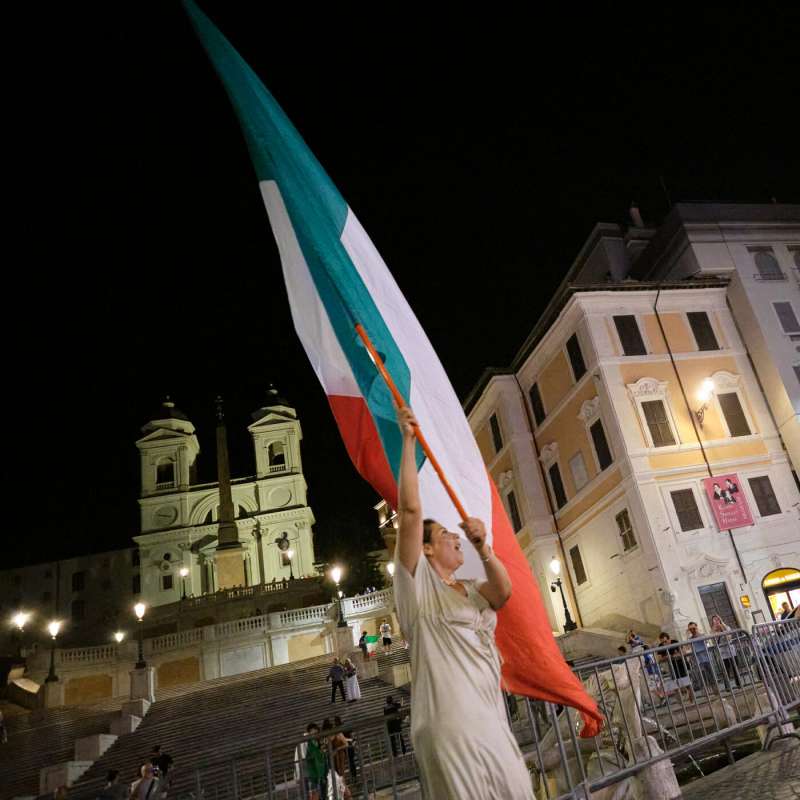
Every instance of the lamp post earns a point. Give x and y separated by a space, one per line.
336 575
390 570
119 636
53 628
290 556
20 619
183 573
555 567
139 610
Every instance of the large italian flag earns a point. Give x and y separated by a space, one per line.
336 278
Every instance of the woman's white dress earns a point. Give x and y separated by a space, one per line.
352 689
459 728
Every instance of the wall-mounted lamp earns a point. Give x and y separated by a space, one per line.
704 396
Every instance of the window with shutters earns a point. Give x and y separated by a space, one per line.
577 565
630 336
166 582
536 404
734 413
686 510
557 485
702 330
78 581
787 317
576 357
764 496
497 437
78 610
626 530
513 511
601 448
655 414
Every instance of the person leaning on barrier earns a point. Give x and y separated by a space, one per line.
702 659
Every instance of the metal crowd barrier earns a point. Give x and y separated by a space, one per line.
659 704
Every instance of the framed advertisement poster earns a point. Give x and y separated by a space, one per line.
728 502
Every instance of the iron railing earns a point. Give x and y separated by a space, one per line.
659 705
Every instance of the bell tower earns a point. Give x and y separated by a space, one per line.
167 451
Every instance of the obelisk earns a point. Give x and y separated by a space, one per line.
229 556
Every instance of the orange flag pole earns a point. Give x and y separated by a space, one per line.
401 403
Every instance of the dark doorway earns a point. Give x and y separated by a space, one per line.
716 601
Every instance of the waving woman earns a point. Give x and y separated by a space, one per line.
459 729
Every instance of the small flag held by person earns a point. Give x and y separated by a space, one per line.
336 279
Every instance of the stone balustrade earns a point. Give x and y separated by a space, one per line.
368 602
173 641
277 623
87 655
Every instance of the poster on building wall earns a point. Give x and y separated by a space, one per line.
728 502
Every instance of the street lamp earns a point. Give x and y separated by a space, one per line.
555 567
20 619
139 610
290 556
118 637
183 573
390 569
336 576
704 396
53 628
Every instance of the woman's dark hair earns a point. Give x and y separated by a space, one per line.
427 530
327 724
337 721
112 775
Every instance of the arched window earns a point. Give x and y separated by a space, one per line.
165 474
276 454
767 266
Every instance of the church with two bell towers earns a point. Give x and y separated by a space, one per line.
199 538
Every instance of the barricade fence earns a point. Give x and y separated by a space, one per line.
659 704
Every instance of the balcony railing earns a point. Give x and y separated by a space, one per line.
277 468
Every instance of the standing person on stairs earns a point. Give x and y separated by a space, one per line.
336 677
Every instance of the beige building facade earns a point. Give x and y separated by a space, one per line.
624 399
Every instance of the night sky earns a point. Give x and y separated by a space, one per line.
478 153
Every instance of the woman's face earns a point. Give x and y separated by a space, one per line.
444 548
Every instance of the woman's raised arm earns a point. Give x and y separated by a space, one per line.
409 534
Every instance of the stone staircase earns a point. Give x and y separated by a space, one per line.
200 725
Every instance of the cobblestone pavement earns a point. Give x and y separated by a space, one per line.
762 776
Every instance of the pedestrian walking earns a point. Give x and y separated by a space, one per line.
386 636
362 643
336 676
351 681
